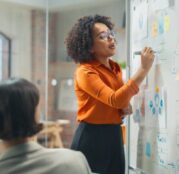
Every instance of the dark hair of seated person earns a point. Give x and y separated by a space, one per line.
18 101
80 39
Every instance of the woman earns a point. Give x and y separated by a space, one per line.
19 124
103 98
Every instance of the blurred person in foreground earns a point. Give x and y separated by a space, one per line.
19 124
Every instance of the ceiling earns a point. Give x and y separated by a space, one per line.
59 4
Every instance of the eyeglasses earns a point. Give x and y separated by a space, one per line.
106 35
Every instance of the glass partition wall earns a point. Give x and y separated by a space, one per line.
29 48
23 45
32 36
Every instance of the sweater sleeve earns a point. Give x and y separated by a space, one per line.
89 80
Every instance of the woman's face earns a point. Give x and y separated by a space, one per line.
104 44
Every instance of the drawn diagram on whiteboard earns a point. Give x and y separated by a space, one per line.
140 15
157 104
139 107
156 125
162 149
156 108
156 148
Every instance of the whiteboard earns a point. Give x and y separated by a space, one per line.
66 96
154 126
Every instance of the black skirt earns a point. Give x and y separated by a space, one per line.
103 147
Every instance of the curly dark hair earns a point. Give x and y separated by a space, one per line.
80 41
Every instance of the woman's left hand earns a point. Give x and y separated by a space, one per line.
126 111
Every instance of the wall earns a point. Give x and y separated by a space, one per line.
62 71
15 22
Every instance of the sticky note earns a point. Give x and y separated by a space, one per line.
148 149
166 23
154 29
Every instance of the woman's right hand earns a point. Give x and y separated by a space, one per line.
147 58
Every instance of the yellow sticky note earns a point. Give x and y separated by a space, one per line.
157 89
154 29
167 23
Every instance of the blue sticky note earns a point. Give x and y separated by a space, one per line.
148 149
161 25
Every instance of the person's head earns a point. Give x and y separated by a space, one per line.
19 100
91 37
